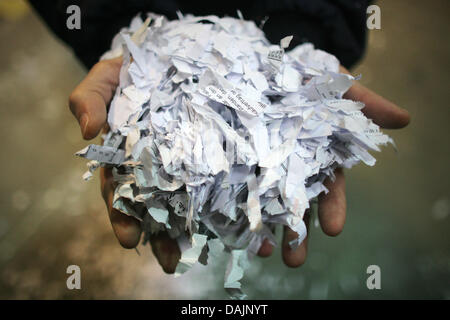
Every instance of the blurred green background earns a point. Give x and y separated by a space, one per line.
398 211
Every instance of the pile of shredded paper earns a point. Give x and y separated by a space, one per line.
217 136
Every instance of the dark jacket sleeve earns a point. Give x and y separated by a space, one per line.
100 21
336 26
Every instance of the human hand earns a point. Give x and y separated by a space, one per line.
332 206
88 103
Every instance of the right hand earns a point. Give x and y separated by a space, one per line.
89 102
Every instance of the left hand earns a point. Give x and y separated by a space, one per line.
332 206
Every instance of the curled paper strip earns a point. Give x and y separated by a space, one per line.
217 136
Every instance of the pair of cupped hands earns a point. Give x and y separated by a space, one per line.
89 102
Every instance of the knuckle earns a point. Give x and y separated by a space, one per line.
102 65
99 65
82 104
77 102
73 100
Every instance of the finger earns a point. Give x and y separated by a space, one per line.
126 228
89 99
266 249
295 257
166 251
332 206
382 111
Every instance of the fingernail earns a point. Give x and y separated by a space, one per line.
84 120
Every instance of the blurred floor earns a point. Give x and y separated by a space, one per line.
398 211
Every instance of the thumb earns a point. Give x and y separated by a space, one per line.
89 100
